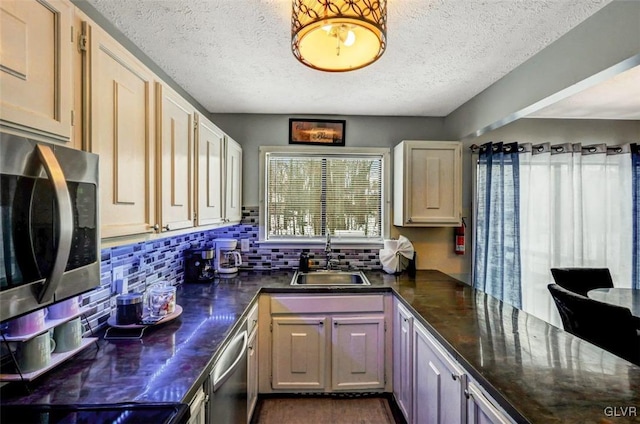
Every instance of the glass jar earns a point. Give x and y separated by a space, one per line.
161 299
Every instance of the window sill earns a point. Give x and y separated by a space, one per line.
320 245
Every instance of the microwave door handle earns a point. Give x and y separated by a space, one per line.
65 219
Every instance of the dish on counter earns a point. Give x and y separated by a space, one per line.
169 317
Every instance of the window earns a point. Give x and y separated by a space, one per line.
309 193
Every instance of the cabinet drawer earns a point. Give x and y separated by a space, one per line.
326 304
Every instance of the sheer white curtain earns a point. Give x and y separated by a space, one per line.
575 210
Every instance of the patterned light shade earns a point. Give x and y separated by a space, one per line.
338 35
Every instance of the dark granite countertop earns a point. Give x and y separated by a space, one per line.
538 373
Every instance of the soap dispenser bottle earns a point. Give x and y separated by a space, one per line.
303 266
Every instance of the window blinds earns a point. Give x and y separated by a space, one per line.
310 195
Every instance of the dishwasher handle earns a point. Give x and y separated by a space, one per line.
219 381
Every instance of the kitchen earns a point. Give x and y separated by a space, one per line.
142 262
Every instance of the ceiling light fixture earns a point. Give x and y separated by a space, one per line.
338 35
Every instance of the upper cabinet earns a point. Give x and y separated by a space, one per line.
119 121
175 133
427 184
36 68
163 167
233 173
209 172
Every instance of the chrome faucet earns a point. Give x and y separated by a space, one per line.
331 263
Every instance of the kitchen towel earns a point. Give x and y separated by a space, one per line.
390 255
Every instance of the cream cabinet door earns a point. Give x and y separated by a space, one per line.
252 374
438 383
403 359
298 352
233 173
119 119
175 171
209 172
36 68
481 410
198 408
427 183
358 353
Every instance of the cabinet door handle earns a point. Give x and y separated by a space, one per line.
321 323
454 376
467 394
156 227
405 319
166 227
335 323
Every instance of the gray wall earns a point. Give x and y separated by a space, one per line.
255 130
602 46
434 245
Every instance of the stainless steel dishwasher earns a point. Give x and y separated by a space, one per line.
228 382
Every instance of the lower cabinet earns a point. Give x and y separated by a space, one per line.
198 408
357 353
481 409
327 343
430 387
299 345
438 382
403 359
252 362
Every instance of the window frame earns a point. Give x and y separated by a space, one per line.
336 241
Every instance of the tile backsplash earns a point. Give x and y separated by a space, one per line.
145 263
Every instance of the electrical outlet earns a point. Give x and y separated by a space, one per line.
118 283
244 245
122 286
117 273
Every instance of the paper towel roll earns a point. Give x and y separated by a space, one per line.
390 254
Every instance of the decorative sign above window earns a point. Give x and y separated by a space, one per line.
317 131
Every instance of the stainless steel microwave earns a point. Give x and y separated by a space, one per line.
48 223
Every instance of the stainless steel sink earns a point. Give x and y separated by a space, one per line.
330 278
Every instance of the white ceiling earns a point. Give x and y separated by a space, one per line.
234 56
615 98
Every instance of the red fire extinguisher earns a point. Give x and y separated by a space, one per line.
459 237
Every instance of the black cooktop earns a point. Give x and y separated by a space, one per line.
119 413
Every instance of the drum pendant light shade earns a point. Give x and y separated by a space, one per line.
338 35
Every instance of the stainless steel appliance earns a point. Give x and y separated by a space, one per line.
48 223
228 382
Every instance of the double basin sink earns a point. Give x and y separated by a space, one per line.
330 278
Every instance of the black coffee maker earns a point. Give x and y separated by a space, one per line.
199 265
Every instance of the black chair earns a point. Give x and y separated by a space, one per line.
610 327
581 280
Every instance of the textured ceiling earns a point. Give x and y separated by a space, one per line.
234 56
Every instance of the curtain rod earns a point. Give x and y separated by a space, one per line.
561 148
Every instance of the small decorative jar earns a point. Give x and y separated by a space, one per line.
129 308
